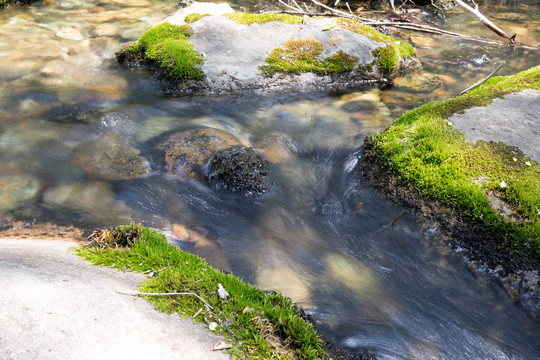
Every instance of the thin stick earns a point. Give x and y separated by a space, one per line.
290 7
483 19
483 81
136 293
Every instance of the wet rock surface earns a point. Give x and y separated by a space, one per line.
238 169
110 159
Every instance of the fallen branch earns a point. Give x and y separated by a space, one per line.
406 25
485 20
136 293
483 81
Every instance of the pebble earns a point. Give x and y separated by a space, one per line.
69 33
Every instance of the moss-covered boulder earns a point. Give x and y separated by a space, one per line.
201 50
238 169
110 159
471 163
186 153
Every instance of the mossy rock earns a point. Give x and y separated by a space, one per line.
302 55
425 151
111 160
211 51
185 153
167 45
238 169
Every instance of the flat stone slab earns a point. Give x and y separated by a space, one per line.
56 306
514 120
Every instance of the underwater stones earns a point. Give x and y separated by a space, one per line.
185 153
109 159
238 169
418 82
95 199
16 191
277 147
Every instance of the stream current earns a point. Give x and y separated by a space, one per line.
372 275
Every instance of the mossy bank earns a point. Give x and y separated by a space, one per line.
486 194
199 52
258 325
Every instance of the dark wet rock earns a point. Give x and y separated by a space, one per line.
16 191
238 169
111 160
186 153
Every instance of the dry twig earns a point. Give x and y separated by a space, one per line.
136 293
483 81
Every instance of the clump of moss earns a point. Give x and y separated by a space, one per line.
300 56
425 151
168 45
387 57
238 169
191 18
257 324
244 18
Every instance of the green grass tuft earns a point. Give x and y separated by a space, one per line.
425 151
258 325
168 45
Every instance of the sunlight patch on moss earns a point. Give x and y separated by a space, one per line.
300 56
244 18
191 18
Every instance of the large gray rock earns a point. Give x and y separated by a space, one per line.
236 56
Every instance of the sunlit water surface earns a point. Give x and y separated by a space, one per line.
372 276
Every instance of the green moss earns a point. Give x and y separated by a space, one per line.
300 56
244 18
258 325
168 45
425 151
387 58
191 18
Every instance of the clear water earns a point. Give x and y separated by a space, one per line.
372 275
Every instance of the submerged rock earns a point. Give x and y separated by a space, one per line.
233 52
238 169
16 191
186 152
109 159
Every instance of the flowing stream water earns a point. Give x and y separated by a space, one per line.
372 275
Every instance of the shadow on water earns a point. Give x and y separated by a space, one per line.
371 275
